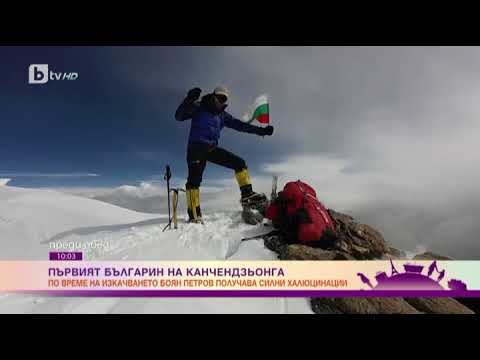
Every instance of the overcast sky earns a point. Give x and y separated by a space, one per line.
389 134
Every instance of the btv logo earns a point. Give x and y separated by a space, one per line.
39 74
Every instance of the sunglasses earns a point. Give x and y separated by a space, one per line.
222 99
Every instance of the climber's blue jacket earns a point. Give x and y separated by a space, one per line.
207 123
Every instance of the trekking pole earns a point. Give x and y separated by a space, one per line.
174 204
167 177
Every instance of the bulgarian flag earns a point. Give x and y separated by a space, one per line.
260 110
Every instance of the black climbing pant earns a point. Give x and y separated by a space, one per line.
199 153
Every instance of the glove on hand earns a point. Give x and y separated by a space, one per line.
265 131
194 94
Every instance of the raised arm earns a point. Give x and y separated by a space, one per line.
242 126
189 106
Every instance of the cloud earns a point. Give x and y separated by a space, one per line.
389 133
142 190
429 209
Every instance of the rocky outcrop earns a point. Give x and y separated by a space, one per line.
362 306
439 306
395 254
302 252
431 256
471 303
355 242
358 241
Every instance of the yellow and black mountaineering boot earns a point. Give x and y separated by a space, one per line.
193 206
249 197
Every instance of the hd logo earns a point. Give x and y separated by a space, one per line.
39 74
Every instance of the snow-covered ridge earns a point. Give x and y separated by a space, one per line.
151 197
4 182
36 221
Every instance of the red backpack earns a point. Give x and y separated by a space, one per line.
301 216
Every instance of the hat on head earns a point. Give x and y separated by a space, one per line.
221 90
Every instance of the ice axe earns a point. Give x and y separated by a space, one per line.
273 195
174 205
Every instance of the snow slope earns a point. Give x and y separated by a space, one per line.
33 220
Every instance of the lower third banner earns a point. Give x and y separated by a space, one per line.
242 279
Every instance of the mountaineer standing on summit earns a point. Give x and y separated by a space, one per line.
208 119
